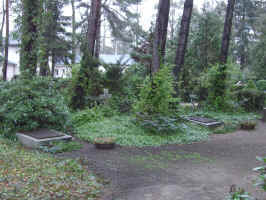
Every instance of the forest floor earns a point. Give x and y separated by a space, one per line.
198 171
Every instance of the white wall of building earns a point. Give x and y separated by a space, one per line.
12 70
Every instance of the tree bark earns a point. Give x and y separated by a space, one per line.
6 42
44 22
93 22
98 40
227 31
183 37
73 32
29 51
160 35
2 27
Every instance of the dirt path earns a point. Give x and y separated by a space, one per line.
200 171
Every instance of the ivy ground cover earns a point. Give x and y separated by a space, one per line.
28 175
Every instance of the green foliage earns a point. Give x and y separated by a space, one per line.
60 147
239 194
133 78
94 114
29 46
159 124
86 83
231 120
250 98
156 94
31 104
217 89
251 85
128 133
28 175
114 79
262 171
261 85
219 82
85 116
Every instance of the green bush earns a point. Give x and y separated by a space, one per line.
31 104
250 98
159 124
114 79
86 83
93 114
127 133
156 94
261 84
86 116
219 81
262 171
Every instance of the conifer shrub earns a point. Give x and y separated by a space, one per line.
261 84
29 104
86 83
156 105
156 94
250 98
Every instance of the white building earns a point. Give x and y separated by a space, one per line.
12 70
61 70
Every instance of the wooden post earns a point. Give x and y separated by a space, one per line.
264 115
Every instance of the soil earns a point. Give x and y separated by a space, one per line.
198 171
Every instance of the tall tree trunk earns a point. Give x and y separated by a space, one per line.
183 37
73 31
243 46
44 20
98 40
227 31
2 26
53 64
93 22
160 35
78 100
6 42
29 50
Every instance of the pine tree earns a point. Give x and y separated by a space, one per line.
160 35
227 31
29 37
183 37
6 42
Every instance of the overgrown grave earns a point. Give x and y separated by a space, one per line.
38 138
207 122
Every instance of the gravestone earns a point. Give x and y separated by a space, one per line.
264 115
40 137
210 123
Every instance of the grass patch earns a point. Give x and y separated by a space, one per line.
27 175
61 146
127 133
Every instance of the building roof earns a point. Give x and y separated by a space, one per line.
12 42
9 62
115 59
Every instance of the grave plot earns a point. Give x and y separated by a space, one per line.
40 137
210 123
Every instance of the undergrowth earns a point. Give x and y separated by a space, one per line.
127 133
28 175
232 121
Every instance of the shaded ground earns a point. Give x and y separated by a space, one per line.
199 171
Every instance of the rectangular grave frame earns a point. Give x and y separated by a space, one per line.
32 142
214 124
